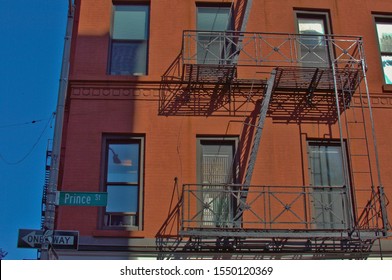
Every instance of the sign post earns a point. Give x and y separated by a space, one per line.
82 198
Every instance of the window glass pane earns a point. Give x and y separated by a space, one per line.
326 166
129 58
384 32
313 49
387 66
210 49
122 199
216 163
213 18
123 163
312 26
130 22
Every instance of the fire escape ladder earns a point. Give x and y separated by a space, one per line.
255 147
359 128
46 181
373 216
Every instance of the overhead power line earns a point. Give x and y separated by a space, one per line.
10 162
23 123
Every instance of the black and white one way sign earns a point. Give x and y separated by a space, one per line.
59 239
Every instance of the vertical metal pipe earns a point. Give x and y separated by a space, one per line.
50 212
344 161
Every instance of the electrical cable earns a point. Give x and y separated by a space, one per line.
32 147
24 123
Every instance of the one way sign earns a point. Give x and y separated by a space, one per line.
59 239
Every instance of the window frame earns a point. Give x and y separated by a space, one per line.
216 141
317 15
382 19
145 41
219 41
109 139
323 192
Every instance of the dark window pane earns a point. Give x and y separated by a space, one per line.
129 58
130 22
211 48
123 163
213 18
122 199
120 220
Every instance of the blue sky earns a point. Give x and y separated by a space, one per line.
31 46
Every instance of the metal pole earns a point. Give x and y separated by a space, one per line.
338 112
378 167
50 212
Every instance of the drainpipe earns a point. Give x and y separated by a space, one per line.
50 212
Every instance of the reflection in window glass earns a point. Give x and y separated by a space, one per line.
129 40
130 22
122 199
123 183
387 66
312 45
123 163
311 26
213 18
384 33
210 46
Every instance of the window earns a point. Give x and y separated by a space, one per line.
123 181
215 166
384 34
313 47
329 198
210 44
129 42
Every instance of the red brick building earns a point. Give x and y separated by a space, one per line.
228 129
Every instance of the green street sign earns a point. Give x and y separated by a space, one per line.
82 198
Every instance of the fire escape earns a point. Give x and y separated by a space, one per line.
46 182
285 76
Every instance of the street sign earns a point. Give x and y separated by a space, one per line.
59 239
82 198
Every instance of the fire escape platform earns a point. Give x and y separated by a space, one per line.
313 79
283 233
216 75
294 79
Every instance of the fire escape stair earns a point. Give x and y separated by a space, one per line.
255 148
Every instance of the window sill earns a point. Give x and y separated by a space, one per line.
387 88
118 233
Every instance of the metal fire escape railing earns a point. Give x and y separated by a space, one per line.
271 210
270 49
307 211
300 64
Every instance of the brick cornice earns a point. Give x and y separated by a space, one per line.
113 90
150 90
